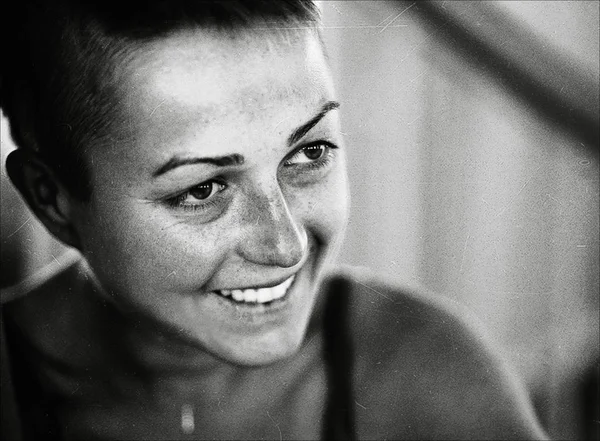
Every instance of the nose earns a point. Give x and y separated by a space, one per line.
272 236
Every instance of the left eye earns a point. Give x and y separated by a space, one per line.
308 154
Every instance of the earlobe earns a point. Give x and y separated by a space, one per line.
45 195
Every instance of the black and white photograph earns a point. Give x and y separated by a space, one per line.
300 220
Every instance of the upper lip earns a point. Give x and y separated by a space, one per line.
259 286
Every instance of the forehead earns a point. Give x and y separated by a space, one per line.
221 66
211 80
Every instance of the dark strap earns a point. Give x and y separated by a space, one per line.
22 393
11 423
339 359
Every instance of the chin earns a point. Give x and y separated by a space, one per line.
261 351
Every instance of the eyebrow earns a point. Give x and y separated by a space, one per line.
298 133
219 161
236 159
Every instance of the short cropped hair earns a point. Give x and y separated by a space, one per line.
58 80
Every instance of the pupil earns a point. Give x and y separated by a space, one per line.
201 191
313 152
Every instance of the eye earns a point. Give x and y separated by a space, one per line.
308 154
198 197
309 164
205 190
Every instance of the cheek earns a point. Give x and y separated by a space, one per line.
139 251
326 207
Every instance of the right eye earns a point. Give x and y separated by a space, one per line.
199 197
204 191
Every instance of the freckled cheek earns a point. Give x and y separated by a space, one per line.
326 210
144 253
186 256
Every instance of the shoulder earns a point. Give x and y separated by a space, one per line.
425 368
39 311
46 289
62 272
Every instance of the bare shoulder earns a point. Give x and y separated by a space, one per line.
64 270
425 370
40 308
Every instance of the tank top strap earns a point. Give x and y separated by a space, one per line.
339 423
11 421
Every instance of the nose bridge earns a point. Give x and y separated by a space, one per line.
273 236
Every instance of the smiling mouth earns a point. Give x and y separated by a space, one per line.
259 296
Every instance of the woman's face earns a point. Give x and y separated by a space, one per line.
225 193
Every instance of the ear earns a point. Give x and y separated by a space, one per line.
44 193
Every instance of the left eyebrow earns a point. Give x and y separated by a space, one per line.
299 132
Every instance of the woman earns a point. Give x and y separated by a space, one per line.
191 153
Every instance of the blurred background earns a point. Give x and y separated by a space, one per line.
472 135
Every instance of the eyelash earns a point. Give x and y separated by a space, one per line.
320 162
178 202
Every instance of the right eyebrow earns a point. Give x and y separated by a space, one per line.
218 161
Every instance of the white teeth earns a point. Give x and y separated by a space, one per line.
238 295
262 295
250 295
287 283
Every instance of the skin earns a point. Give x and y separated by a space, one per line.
159 252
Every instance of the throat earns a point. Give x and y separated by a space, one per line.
279 401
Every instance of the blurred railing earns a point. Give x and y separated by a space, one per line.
479 140
547 80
